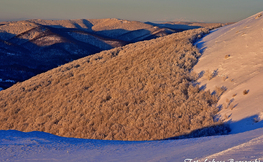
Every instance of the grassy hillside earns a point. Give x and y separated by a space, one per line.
142 91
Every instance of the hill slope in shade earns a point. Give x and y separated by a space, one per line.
31 47
141 91
235 52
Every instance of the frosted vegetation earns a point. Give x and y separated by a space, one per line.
142 91
231 58
31 47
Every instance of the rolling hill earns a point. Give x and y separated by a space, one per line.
30 47
230 58
142 91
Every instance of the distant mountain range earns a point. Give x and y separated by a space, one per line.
30 47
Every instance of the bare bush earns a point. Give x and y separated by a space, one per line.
258 16
227 56
256 119
210 74
245 92
226 117
219 91
194 76
231 106
225 78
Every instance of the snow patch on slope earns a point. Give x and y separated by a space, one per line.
235 53
7 81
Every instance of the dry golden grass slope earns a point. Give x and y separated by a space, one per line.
142 91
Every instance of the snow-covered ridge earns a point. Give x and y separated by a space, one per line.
7 81
235 53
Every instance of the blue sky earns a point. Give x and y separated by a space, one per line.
141 10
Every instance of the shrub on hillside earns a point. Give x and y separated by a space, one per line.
258 16
245 92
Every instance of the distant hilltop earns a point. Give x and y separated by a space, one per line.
31 47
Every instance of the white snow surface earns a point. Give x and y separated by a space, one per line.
39 146
242 70
8 80
236 53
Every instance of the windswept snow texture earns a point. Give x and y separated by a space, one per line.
235 53
38 146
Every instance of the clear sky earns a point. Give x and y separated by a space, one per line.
141 10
